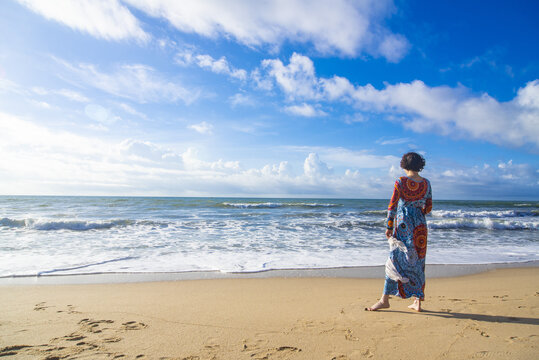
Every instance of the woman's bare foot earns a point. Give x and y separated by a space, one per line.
379 305
416 305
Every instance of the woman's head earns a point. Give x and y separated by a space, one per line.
412 161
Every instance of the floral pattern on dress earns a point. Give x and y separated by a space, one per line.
410 202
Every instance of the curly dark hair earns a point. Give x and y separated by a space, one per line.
412 161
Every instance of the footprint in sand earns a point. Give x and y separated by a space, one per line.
252 345
40 306
483 333
349 335
94 326
281 352
133 325
12 350
112 339
514 339
480 354
74 337
367 353
340 357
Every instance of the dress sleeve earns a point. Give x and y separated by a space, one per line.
428 201
392 208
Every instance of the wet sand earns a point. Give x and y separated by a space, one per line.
492 315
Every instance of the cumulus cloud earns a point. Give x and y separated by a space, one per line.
136 82
343 27
421 108
297 79
362 159
202 128
192 161
304 110
454 111
314 167
105 19
205 61
506 179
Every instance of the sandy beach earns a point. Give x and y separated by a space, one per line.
488 315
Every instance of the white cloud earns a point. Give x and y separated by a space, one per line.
397 141
41 104
393 47
100 114
241 99
204 61
342 27
69 94
9 86
41 160
130 110
105 19
355 118
304 110
441 109
136 82
315 168
72 95
202 128
508 179
191 161
349 158
297 79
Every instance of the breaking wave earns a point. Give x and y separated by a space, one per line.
271 205
483 213
74 225
484 223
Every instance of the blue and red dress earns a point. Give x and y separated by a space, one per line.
410 202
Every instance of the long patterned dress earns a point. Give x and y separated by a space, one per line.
410 202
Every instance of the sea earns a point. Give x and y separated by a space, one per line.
60 235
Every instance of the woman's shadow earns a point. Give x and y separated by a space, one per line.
478 317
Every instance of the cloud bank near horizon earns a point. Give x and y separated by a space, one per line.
54 162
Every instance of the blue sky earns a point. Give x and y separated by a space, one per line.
278 98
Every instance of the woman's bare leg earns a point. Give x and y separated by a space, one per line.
383 303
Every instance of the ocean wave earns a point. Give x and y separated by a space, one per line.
271 205
484 223
375 212
74 225
337 225
483 213
526 205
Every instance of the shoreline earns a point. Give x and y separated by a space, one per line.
357 272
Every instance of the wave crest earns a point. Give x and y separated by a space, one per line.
271 205
74 225
484 223
483 213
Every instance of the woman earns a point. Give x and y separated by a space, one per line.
411 201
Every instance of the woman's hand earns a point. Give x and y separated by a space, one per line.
389 232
